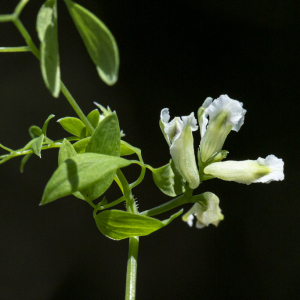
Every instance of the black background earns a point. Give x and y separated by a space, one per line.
173 54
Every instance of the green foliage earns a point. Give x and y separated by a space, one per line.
37 145
73 125
99 41
46 27
168 179
24 161
66 151
45 126
94 118
127 149
80 146
35 131
106 137
118 225
80 172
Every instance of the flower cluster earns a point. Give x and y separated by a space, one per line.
216 120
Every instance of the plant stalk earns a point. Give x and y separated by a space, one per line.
131 274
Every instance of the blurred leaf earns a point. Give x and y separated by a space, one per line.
80 172
23 161
46 27
126 149
106 137
73 126
118 225
168 179
37 145
35 131
80 146
99 41
44 129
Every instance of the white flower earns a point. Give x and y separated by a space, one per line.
207 211
178 134
224 114
248 171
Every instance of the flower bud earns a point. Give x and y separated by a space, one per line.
248 171
207 211
178 133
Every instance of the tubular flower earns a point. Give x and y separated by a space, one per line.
207 211
224 114
248 171
178 134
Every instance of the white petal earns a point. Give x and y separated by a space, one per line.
190 220
233 108
276 166
203 120
182 150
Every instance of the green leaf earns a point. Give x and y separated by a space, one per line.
94 118
106 137
168 179
73 126
118 225
35 131
44 129
37 145
126 149
80 146
23 162
66 151
104 140
99 41
80 172
46 27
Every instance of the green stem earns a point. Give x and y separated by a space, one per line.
20 7
75 106
183 199
143 171
15 49
6 18
132 268
63 88
131 273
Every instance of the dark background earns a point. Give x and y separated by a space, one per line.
173 54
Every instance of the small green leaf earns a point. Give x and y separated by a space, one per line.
94 118
46 26
168 179
73 126
126 149
23 162
44 129
99 41
37 145
80 146
80 172
106 137
35 131
66 151
118 225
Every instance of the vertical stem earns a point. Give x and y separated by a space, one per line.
132 268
